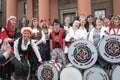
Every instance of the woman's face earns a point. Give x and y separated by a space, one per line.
57 28
76 24
116 21
26 36
35 23
82 22
99 21
90 19
67 20
13 22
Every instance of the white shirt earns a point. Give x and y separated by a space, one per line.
72 34
83 33
23 47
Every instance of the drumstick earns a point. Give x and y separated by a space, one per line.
7 61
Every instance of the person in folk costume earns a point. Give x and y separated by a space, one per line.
95 35
72 36
38 35
24 49
67 22
23 22
97 32
114 27
82 30
39 39
46 47
57 43
8 34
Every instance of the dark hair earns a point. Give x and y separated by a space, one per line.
87 23
20 22
97 18
57 21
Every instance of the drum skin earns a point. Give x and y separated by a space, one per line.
70 73
95 73
47 71
116 73
82 54
109 48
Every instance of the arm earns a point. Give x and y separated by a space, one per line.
42 40
37 53
16 50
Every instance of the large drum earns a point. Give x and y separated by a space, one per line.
70 73
109 48
116 73
47 71
95 73
82 54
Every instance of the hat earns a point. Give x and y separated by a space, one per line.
43 20
116 17
34 19
11 17
26 29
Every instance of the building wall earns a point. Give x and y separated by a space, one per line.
21 5
66 7
102 4
3 23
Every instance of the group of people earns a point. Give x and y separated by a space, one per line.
24 48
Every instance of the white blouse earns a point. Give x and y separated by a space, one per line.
23 47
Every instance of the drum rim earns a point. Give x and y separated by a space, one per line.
92 46
101 70
73 68
107 59
40 68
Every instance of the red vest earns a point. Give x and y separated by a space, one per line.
60 35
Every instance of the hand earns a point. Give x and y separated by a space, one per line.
42 62
21 62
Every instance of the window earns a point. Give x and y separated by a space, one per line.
0 5
100 13
25 7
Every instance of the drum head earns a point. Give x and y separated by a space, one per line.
70 73
109 48
47 72
82 54
95 73
116 73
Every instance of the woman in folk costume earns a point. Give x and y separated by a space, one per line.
8 34
38 35
97 32
67 22
57 43
114 27
72 36
39 39
46 47
23 22
83 31
24 49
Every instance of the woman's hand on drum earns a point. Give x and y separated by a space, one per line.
42 62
